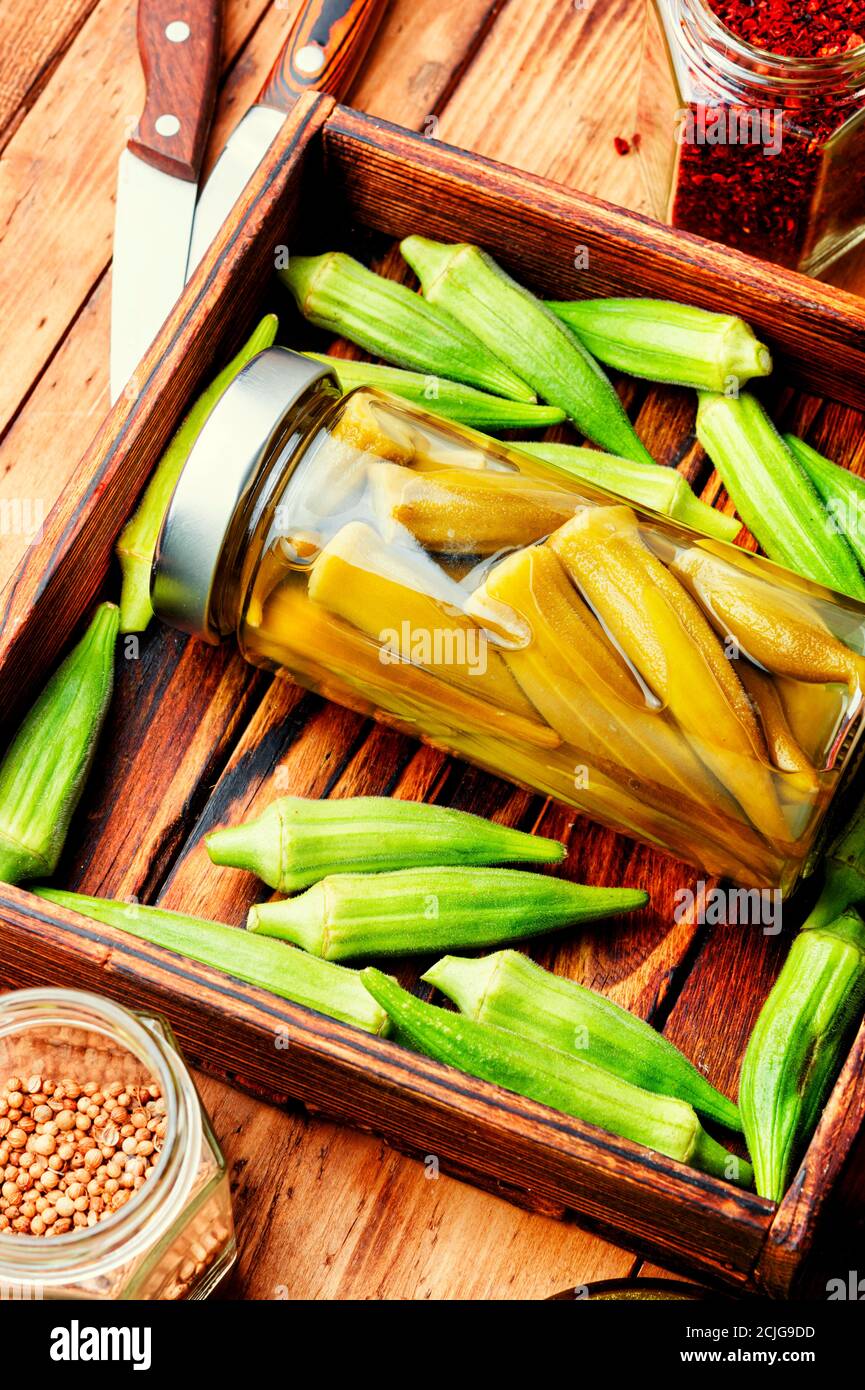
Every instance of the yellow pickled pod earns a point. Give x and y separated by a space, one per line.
778 631
405 602
293 629
460 511
581 686
664 634
784 749
816 715
365 423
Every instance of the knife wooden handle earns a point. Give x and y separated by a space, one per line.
323 51
178 41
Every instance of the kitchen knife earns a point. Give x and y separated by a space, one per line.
157 180
323 51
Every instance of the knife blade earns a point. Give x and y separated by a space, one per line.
157 180
323 51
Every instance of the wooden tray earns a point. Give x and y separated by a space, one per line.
197 737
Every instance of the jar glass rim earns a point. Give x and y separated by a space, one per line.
95 1251
737 57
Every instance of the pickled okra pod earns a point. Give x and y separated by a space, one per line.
406 911
455 511
43 772
336 292
648 484
297 841
467 283
453 400
558 1079
402 598
510 991
842 493
797 1046
579 683
666 636
317 984
773 494
782 633
664 341
137 542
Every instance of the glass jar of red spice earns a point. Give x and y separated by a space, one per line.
752 124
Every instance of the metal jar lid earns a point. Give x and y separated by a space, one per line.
238 435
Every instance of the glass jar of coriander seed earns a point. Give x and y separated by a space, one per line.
112 1185
675 688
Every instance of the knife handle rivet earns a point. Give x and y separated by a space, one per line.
177 31
309 59
167 125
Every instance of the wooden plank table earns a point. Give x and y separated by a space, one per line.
321 1212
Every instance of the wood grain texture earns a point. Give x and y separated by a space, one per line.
475 1129
424 55
324 49
181 75
32 46
240 740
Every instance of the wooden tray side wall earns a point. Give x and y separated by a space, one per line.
393 182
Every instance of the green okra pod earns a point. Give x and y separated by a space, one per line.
772 492
843 869
336 292
137 541
298 841
558 1079
433 909
317 984
467 283
450 399
647 484
45 767
664 341
842 493
797 1046
510 991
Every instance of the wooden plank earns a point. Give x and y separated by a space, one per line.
416 57
31 51
63 573
549 91
415 1103
531 224
90 109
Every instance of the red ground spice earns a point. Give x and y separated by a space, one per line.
738 193
796 28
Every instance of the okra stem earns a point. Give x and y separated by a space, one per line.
772 492
317 984
137 542
664 341
798 1042
337 293
450 399
297 841
469 284
44 770
509 990
433 909
562 1081
648 484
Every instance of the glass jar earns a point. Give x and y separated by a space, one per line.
174 1238
507 612
754 149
